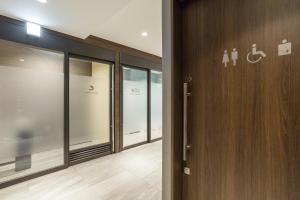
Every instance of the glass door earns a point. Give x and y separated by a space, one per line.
90 107
156 105
135 106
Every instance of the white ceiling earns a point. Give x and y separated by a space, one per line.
120 21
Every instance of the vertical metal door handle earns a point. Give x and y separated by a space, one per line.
186 147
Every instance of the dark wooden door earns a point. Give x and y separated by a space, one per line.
243 120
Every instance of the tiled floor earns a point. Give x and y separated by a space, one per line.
134 138
139 137
40 161
130 175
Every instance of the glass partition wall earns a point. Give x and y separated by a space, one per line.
35 94
142 115
31 111
156 105
90 106
135 106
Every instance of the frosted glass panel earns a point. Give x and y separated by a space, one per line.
134 106
156 105
89 103
31 111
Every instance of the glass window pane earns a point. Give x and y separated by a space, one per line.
156 105
31 111
89 103
135 93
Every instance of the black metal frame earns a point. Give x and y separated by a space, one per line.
149 104
66 110
111 66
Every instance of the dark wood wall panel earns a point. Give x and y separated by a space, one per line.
136 61
117 104
15 30
245 119
125 50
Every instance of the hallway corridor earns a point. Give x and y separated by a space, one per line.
130 175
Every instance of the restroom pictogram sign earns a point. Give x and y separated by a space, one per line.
234 55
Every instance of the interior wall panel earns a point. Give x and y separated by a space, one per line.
245 118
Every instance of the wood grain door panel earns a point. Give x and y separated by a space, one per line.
244 120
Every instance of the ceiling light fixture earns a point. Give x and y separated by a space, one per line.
33 29
144 34
22 59
42 1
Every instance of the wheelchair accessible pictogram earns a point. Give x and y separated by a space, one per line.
255 56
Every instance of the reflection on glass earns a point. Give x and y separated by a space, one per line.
134 106
31 111
89 103
156 105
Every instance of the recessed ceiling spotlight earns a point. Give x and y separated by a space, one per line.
42 1
22 59
144 34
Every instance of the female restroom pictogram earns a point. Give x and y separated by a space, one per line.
225 60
